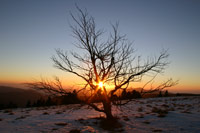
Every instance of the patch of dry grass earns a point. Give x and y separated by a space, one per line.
45 113
7 111
160 112
146 122
140 116
61 124
21 117
157 130
75 131
126 118
186 111
140 109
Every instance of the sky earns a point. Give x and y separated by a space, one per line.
31 30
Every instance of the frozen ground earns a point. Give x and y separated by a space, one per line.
172 114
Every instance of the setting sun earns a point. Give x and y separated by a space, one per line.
100 84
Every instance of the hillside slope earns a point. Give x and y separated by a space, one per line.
17 96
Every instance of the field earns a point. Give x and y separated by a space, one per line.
169 114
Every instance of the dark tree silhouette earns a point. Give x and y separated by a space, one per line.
103 64
160 94
28 104
166 93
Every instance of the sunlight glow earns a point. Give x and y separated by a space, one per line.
100 84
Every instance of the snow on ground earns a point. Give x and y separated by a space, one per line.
170 114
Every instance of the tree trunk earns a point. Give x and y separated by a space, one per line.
108 109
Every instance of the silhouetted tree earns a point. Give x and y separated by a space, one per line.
49 102
12 105
160 94
2 106
166 93
40 102
102 63
130 95
28 104
70 98
124 94
136 94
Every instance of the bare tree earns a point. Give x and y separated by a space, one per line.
104 64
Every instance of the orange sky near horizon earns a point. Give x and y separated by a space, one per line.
74 83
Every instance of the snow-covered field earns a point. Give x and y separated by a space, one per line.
172 114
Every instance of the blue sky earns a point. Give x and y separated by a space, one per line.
31 30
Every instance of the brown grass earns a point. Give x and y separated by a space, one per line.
157 130
126 118
61 124
186 111
58 112
8 111
75 131
140 109
45 113
140 116
21 117
146 122
160 112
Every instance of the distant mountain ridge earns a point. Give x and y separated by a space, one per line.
18 96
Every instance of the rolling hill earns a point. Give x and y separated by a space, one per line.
18 96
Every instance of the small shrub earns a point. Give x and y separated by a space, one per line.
7 111
186 111
189 106
171 109
53 129
140 109
110 124
160 112
161 115
11 113
21 117
174 99
180 108
141 102
182 105
95 122
165 105
126 118
81 119
157 130
45 113
140 116
148 105
61 124
146 122
58 112
75 131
